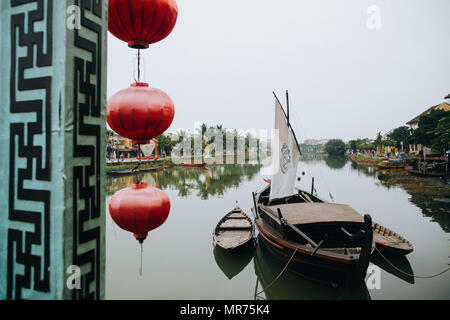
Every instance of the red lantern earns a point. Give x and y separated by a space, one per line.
140 113
142 22
139 209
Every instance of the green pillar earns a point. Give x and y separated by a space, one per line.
52 139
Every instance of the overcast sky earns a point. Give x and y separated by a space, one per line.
224 59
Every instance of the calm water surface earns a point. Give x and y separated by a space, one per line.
179 261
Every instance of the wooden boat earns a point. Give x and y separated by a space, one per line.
234 231
120 172
129 172
324 241
427 174
389 165
333 241
389 242
194 165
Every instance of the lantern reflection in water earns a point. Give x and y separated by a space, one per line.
139 209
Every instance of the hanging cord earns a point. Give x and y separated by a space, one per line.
140 160
409 274
139 65
138 80
142 253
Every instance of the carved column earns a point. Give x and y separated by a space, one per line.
52 148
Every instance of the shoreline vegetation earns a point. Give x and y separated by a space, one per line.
365 160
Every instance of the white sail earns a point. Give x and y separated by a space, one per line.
288 155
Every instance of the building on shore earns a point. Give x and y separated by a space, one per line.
414 124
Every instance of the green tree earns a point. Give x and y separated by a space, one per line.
441 140
165 144
379 140
335 147
400 134
425 133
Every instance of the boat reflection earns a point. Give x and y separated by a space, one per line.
292 286
400 262
232 264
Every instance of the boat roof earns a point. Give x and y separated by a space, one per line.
306 213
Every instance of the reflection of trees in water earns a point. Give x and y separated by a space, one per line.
367 171
312 157
211 181
431 195
438 209
336 162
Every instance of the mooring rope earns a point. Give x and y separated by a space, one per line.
409 274
279 275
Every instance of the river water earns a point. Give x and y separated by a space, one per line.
179 261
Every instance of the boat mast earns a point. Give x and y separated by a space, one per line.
287 107
287 118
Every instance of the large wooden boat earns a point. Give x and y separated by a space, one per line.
234 231
325 241
332 242
389 242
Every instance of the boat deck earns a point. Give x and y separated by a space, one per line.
306 213
232 238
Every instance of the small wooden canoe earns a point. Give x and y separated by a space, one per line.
234 231
119 173
194 165
389 242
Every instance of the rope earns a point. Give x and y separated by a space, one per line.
279 275
412 275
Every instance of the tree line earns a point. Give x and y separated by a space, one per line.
433 131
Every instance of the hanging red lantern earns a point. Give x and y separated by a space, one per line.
142 22
139 209
140 113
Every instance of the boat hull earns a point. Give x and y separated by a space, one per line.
426 174
319 268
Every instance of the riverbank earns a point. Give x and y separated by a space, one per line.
365 160
156 164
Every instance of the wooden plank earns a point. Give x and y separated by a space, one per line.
236 224
304 213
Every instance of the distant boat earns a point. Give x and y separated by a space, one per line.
389 164
194 165
120 172
427 173
234 231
